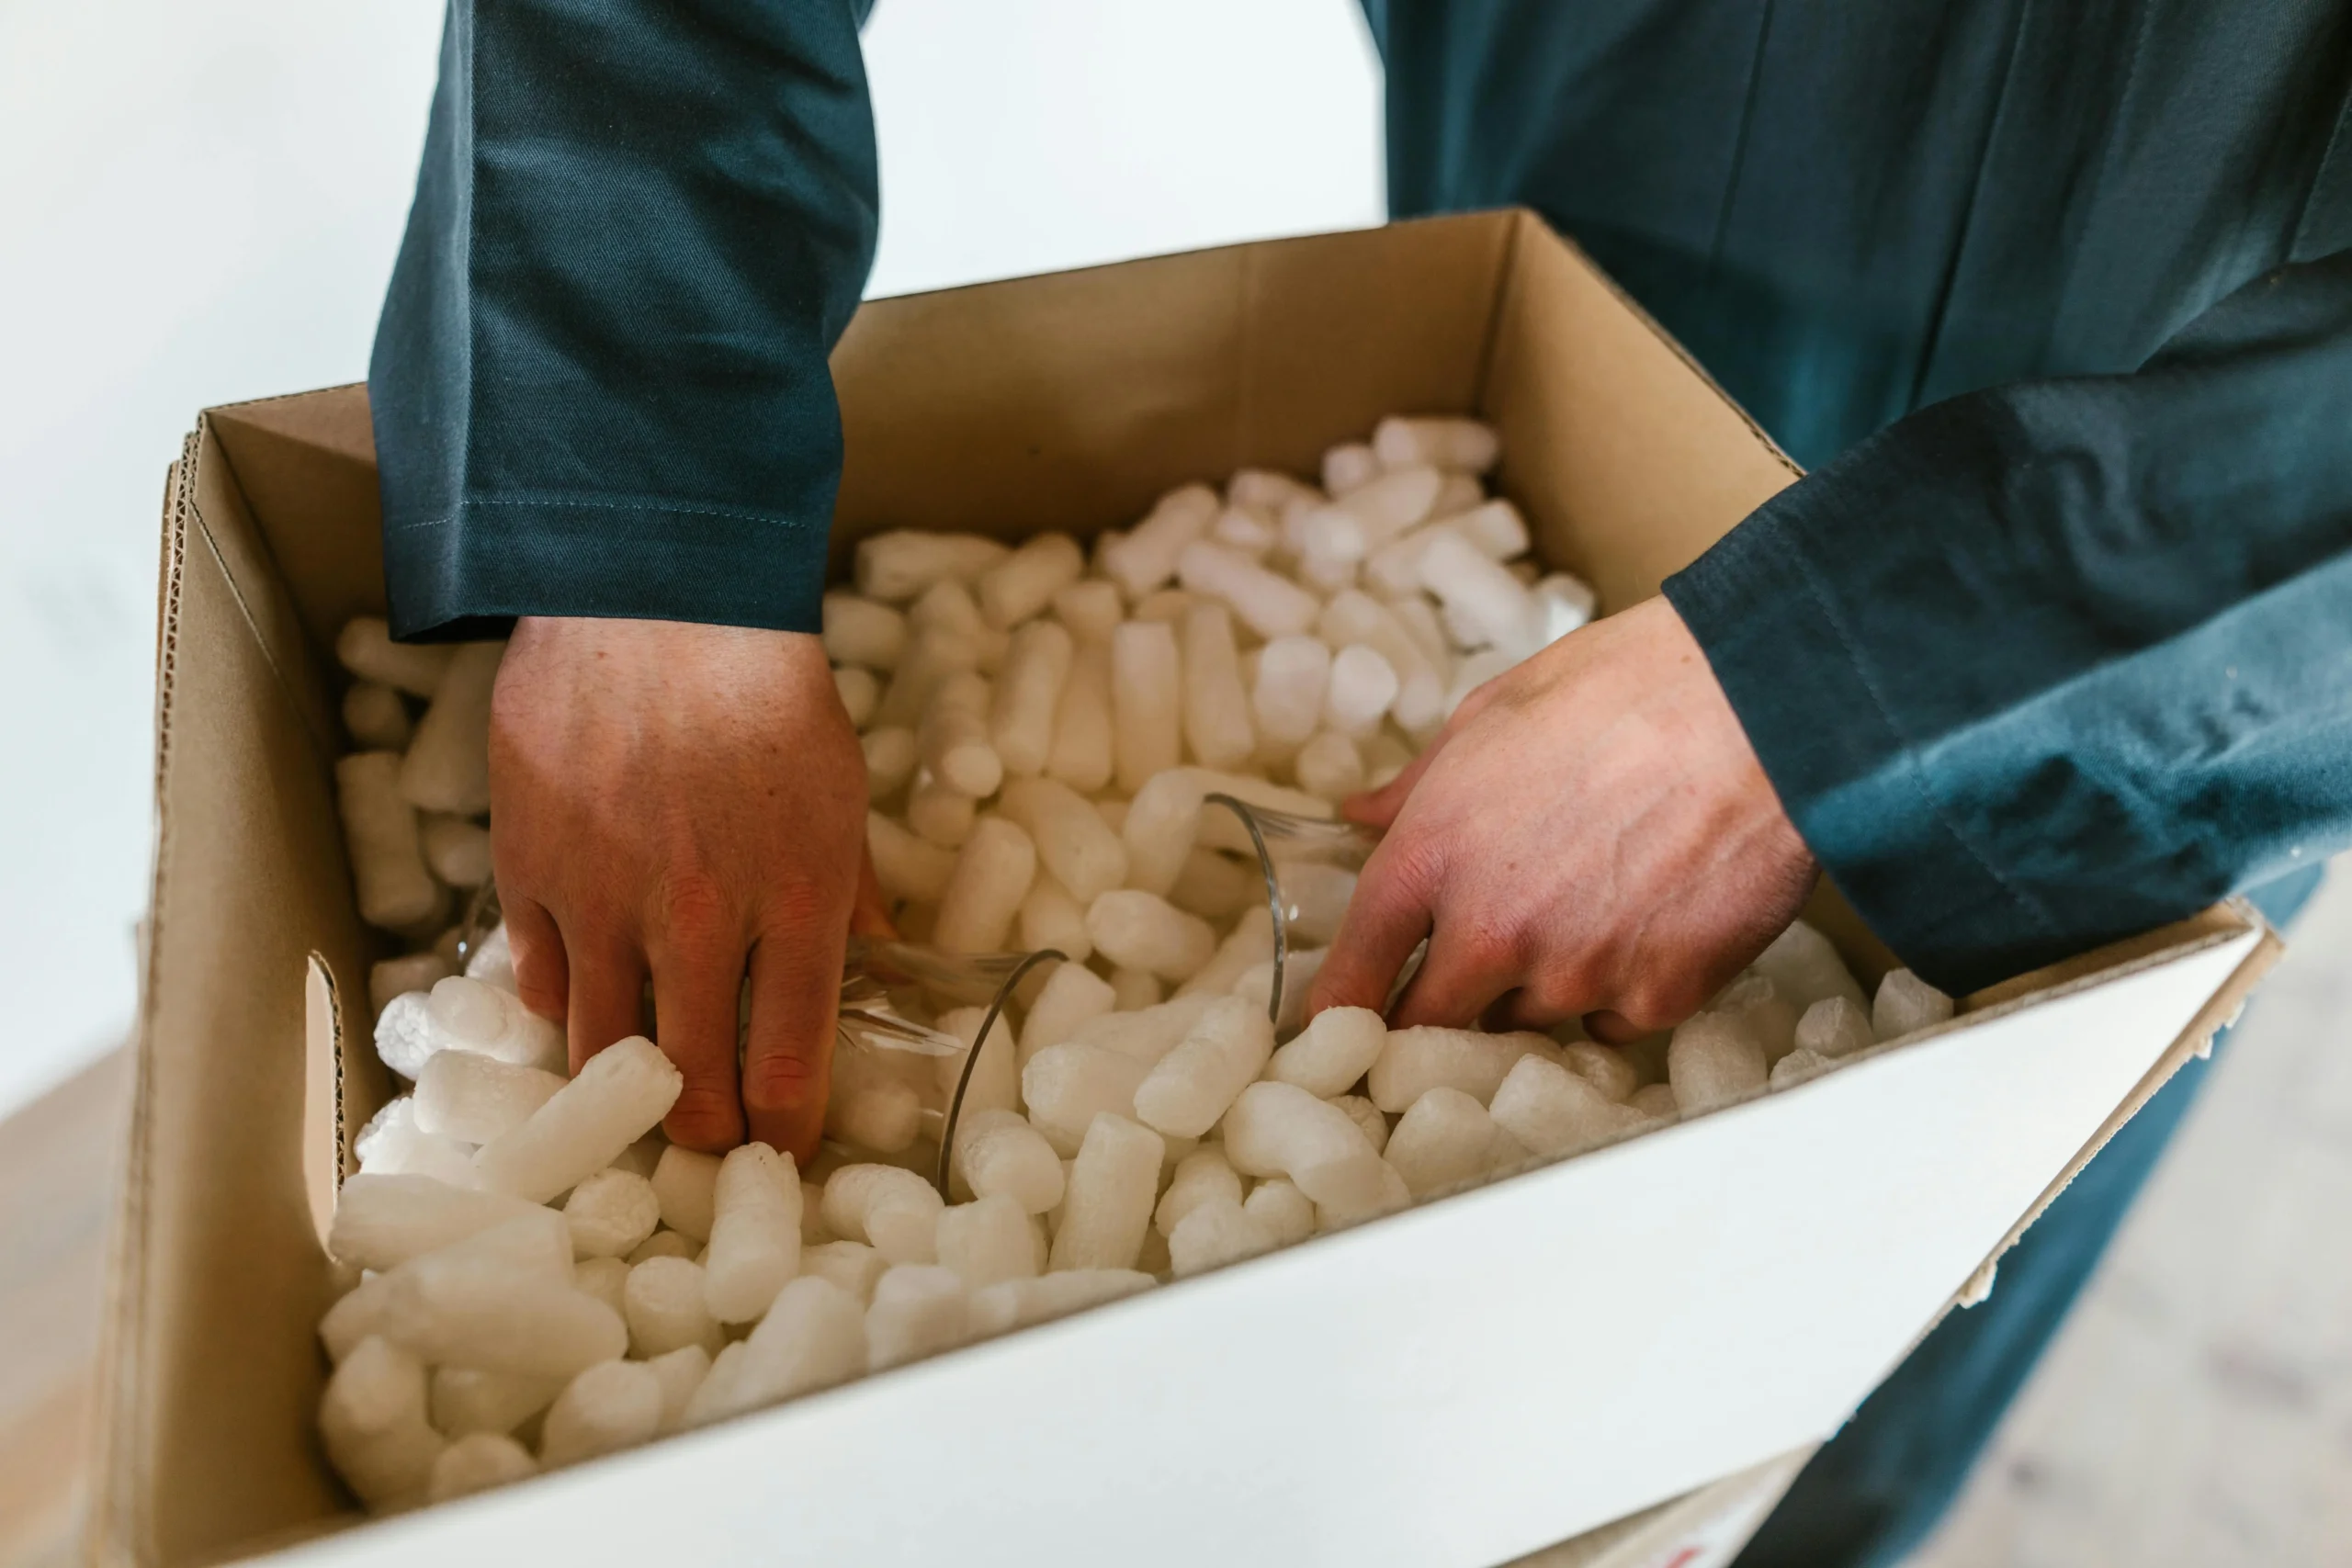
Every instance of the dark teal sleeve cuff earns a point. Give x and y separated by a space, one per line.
600 382
2052 664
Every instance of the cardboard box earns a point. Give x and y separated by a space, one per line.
1459 1385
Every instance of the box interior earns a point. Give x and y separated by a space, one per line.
1066 401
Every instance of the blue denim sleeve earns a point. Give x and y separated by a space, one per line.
2052 663
599 385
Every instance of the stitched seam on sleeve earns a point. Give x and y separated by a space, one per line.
1911 768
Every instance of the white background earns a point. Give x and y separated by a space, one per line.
201 203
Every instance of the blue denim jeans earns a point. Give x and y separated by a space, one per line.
1876 1490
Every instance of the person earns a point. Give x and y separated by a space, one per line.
2054 645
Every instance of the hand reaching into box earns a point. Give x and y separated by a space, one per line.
682 803
1590 834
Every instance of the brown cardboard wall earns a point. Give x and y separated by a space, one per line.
1627 460
1072 402
221 1276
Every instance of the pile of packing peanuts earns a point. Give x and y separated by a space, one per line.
541 1278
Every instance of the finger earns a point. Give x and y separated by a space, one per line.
606 997
1378 807
796 987
1612 1028
697 990
1464 975
870 916
1385 920
539 970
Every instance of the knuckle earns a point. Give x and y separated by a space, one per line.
706 1117
783 1080
696 907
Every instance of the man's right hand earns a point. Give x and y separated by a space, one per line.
685 803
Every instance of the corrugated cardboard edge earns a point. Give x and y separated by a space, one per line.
1701 1528
2220 1012
110 1535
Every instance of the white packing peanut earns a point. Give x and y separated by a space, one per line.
375 718
365 647
851 1265
1017 587
1267 602
372 1419
611 1214
606 1408
1089 609
861 632
1082 755
998 1154
1803 968
1907 1004
664 1304
1349 464
1487 605
379 828
1216 887
939 812
1445 1139
992 875
1112 1187
1200 1176
1029 694
1834 1027
1467 446
1329 766
681 1373
1147 702
446 767
685 1185
1073 841
1217 709
1338 1048
918 1310
1554 1112
1287 1213
1415 1061
1052 921
1073 995
460 1307
987 1240
893 1211
474 1098
1142 930
1287 699
906 865
891 753
476 1462
1066 1086
1221 1055
382 1221
754 1232
953 738
1146 556
1714 1060
1215 1233
1249 942
896 567
622 1094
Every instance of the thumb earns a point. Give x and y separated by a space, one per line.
1387 919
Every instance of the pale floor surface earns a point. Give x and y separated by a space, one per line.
2196 1410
